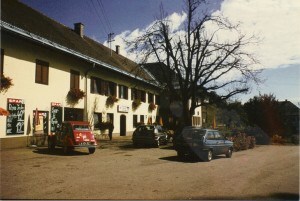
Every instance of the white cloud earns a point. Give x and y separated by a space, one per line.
175 20
275 22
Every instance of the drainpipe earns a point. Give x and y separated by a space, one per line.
85 114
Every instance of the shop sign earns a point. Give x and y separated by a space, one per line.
15 121
122 108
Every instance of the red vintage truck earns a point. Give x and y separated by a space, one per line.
73 134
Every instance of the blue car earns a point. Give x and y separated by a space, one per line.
202 143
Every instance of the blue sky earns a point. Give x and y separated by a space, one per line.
275 21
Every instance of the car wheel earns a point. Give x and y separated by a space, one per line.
135 144
158 143
229 153
92 150
209 155
51 146
180 154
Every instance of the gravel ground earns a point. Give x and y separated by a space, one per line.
118 171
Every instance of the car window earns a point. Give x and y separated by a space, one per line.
210 136
218 136
198 134
187 133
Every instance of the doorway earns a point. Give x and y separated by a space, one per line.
123 125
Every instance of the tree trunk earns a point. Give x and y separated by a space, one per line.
186 116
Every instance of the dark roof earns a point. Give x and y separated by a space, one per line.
289 108
30 20
160 71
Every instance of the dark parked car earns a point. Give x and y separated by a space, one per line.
149 135
73 134
203 143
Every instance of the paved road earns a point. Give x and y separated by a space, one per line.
118 171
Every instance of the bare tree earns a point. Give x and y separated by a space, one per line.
202 60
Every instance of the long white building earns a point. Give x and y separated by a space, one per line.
50 64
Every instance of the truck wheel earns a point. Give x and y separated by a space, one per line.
92 150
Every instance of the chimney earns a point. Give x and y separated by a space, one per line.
78 28
117 49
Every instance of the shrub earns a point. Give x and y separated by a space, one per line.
277 139
252 142
243 142
295 139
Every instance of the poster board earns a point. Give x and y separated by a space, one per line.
56 116
15 121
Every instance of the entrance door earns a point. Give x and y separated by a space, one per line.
122 125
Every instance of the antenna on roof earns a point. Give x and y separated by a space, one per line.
110 41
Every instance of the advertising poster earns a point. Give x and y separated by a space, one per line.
15 121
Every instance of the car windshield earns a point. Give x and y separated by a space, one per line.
81 127
149 128
193 133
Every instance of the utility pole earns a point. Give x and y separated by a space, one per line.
110 41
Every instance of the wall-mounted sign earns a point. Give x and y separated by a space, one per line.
15 121
122 108
56 116
40 122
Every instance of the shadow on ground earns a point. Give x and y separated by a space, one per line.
59 152
273 196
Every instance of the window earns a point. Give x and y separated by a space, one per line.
1 64
138 94
95 85
111 89
97 120
157 99
218 136
123 92
150 98
41 72
210 136
110 117
142 119
143 96
135 121
74 80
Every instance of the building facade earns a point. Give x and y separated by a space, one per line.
58 74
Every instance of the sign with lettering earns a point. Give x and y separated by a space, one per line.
122 108
56 116
40 125
15 121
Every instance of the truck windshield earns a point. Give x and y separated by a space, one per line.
81 127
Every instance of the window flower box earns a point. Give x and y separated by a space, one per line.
152 106
6 83
111 100
136 103
74 95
